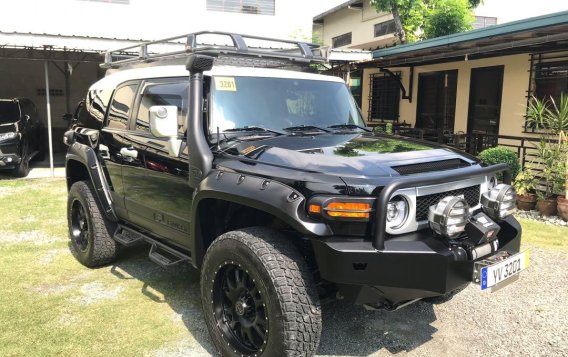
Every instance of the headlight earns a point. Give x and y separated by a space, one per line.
8 136
449 216
397 212
499 202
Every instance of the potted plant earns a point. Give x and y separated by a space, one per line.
552 119
549 155
562 201
524 184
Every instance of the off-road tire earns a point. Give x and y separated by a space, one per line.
23 168
281 275
99 248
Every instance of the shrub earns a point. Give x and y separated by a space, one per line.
499 155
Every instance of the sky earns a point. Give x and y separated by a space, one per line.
72 17
512 10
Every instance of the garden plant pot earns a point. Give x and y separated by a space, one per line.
526 202
562 207
547 207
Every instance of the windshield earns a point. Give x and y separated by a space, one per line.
279 103
9 112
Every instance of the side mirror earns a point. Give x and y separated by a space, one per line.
26 117
163 124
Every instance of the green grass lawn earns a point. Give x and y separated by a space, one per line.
52 305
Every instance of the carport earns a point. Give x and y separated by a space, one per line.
54 71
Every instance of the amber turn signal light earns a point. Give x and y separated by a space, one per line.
348 209
314 208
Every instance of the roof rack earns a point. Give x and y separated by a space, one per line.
228 48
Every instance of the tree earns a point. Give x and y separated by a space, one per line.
411 15
448 17
408 16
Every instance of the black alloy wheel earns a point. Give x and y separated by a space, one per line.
79 226
90 232
259 297
240 311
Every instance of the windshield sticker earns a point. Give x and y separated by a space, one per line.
225 84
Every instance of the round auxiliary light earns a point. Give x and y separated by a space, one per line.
449 216
499 202
397 212
492 182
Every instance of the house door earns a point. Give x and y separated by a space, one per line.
436 107
485 100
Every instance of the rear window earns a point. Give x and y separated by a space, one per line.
9 112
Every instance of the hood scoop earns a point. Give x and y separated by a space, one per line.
430 166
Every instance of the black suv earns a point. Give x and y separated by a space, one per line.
268 181
21 133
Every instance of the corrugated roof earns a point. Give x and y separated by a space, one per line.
61 42
491 32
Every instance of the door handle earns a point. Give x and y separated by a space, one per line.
129 153
103 150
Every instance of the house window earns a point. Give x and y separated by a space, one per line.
256 7
484 21
548 77
384 97
121 2
551 79
384 28
341 40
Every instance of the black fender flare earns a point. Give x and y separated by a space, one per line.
266 195
88 158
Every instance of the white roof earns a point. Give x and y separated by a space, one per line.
112 80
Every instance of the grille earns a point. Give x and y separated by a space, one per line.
471 195
430 166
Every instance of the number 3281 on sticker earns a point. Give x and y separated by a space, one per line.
225 84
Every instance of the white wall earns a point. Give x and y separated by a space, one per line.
146 19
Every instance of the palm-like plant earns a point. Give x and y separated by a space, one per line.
552 117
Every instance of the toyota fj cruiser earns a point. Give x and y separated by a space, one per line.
268 181
20 135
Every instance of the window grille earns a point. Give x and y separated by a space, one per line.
384 28
384 97
120 2
257 7
341 40
548 76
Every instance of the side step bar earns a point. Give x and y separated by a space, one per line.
160 253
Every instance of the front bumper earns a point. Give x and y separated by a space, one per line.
9 154
412 266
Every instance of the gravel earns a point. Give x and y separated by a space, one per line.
526 318
536 216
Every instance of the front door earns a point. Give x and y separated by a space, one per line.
157 195
436 109
485 100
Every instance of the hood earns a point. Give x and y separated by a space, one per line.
352 154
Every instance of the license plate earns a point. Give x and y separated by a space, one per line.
509 268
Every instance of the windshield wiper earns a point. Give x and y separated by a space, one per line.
245 133
254 128
306 128
348 126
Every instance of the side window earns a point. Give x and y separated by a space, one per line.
121 106
170 93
